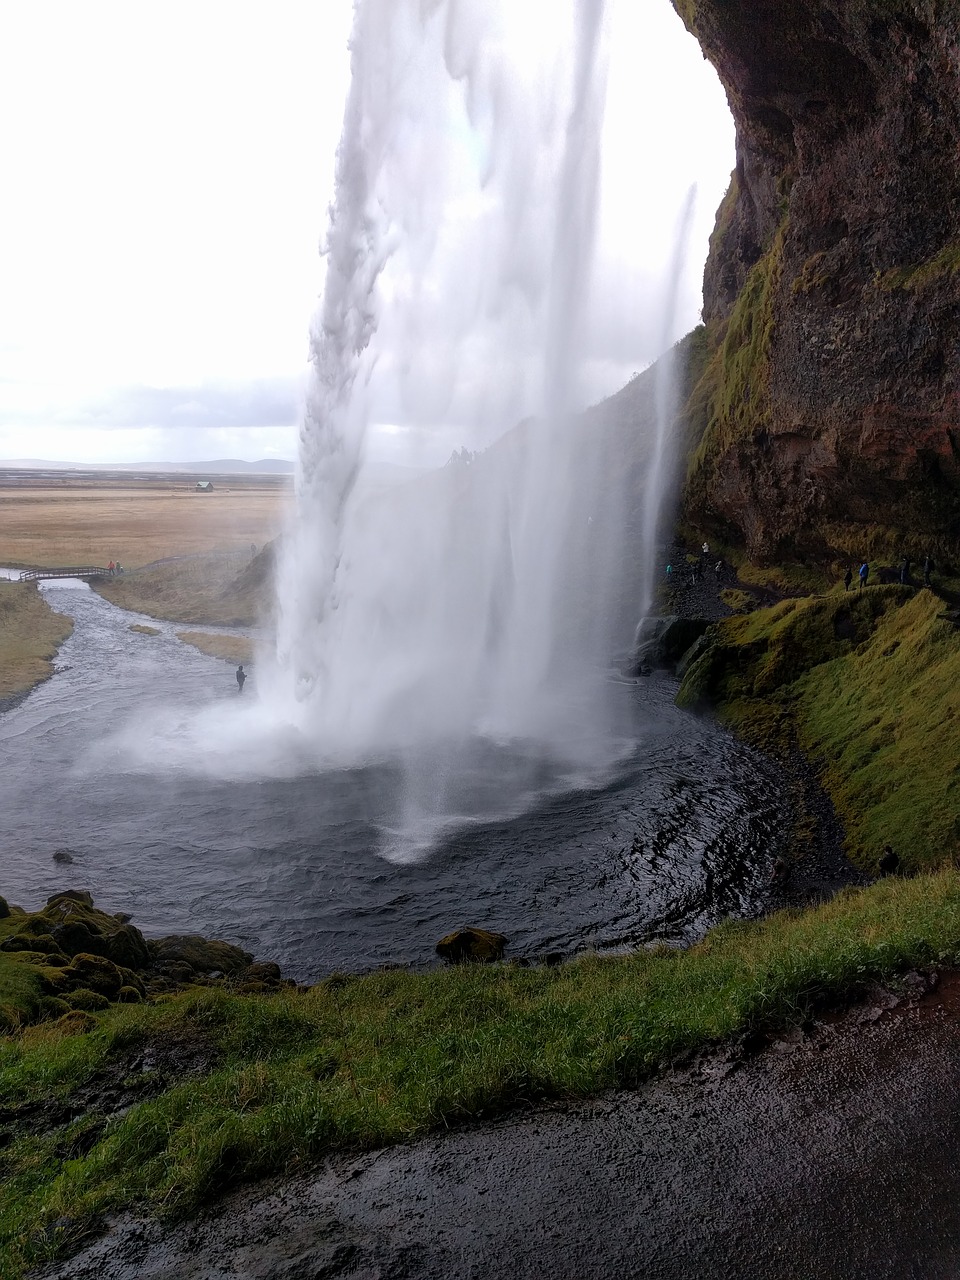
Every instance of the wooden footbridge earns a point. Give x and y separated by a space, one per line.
75 571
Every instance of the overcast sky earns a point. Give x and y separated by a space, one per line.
166 172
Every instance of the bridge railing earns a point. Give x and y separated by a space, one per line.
74 571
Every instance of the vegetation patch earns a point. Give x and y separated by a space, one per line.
30 635
868 683
141 630
216 588
731 400
279 1080
230 648
917 278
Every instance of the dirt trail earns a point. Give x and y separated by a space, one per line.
834 1156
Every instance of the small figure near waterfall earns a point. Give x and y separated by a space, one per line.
864 574
927 569
905 572
241 676
847 578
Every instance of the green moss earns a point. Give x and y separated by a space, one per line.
738 601
917 278
814 273
869 683
730 404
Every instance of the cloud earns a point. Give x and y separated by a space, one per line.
264 402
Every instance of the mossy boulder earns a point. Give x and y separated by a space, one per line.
471 946
4 908
95 973
202 955
86 1000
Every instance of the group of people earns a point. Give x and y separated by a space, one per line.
863 574
692 571
114 568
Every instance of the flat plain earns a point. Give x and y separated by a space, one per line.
51 519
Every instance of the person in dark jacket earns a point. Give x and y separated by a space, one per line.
864 574
847 578
241 676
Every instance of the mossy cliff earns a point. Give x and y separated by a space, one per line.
828 410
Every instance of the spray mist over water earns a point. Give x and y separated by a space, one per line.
464 625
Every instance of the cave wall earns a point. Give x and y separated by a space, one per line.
828 410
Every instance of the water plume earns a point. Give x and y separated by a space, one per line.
476 610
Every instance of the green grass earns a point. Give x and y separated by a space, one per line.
869 685
356 1063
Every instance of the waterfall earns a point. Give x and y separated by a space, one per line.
482 603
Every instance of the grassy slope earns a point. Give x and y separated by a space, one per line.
869 685
365 1061
213 588
30 634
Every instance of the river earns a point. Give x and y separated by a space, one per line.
140 759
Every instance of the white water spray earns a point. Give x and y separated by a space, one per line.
483 603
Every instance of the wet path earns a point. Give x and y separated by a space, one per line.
833 1158
140 759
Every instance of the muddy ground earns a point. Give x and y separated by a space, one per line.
829 1154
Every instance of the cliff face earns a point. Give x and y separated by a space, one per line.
829 406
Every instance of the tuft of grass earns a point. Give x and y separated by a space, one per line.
381 1058
30 635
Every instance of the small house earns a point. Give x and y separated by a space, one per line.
204 486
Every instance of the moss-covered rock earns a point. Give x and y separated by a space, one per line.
202 955
88 1001
471 945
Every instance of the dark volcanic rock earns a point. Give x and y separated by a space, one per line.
830 402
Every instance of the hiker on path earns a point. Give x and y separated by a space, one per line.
905 572
847 578
241 676
927 569
864 574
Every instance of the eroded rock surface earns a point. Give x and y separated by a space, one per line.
829 407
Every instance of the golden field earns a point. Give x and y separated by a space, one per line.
93 522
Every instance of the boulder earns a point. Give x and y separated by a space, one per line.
471 946
95 973
662 642
699 646
74 937
71 895
128 947
4 908
263 971
203 955
88 1001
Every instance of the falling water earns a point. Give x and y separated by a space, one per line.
481 604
